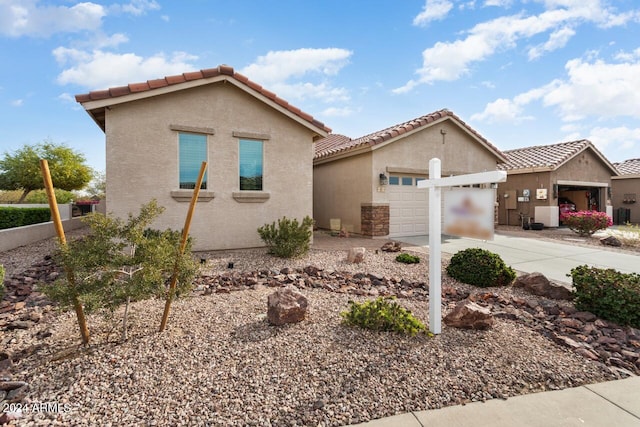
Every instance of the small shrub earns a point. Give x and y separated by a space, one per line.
288 238
382 314
608 294
408 258
480 267
1 281
585 223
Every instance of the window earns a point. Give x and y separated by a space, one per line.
250 165
394 180
407 180
192 152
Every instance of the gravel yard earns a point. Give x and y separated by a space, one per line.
220 363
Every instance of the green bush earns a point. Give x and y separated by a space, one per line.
382 314
288 238
40 196
17 217
608 294
408 259
1 281
480 267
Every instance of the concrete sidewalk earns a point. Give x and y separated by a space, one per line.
528 255
614 403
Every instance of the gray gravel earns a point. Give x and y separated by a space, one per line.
220 363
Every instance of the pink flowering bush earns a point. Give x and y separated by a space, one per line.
585 223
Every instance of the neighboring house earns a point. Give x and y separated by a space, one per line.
626 192
541 178
258 147
368 184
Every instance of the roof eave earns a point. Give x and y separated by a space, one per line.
99 106
536 169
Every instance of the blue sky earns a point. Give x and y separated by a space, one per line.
521 73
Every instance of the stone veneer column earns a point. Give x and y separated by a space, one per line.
374 219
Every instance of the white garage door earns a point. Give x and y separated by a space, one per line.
408 214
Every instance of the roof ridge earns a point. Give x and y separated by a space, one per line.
396 130
207 73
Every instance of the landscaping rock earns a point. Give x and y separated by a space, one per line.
356 255
538 284
469 315
391 247
611 241
286 306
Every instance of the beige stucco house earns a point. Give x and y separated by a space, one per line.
626 192
258 147
368 185
540 178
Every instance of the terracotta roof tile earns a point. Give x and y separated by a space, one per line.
172 80
340 143
195 75
134 87
628 167
157 83
544 156
190 76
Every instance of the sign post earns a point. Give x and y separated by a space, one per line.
435 184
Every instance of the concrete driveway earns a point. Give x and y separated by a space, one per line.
528 255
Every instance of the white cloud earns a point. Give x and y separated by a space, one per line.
433 10
618 138
557 40
100 69
448 61
597 89
27 18
282 72
498 3
501 110
136 7
337 112
17 103
593 90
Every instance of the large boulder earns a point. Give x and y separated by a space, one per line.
611 241
469 315
538 284
286 305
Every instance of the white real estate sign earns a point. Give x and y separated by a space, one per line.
469 212
435 184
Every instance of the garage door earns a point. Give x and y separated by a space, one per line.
408 214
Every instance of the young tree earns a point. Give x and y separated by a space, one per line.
21 170
122 261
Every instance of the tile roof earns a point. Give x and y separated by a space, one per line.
337 144
547 157
628 167
223 71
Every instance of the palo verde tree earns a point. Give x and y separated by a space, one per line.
21 170
120 261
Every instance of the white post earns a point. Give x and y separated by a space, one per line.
435 255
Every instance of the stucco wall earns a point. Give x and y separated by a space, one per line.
142 163
518 183
627 185
339 189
